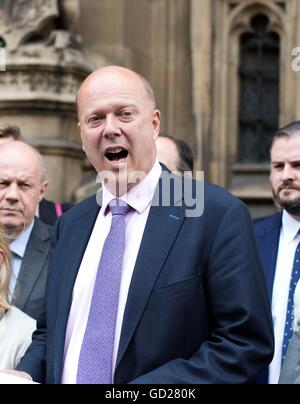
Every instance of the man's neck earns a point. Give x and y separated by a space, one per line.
294 216
14 232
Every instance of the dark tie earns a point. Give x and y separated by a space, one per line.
95 360
288 329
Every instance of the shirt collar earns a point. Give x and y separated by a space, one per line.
18 246
290 227
141 195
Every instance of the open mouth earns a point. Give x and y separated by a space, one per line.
116 154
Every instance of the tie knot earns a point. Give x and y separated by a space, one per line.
119 207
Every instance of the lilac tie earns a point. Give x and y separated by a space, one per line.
95 360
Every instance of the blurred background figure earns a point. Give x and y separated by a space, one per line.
49 211
10 133
175 154
16 327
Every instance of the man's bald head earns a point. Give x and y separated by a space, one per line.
17 147
118 71
22 185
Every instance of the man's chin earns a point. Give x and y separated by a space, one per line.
292 206
289 194
13 229
118 184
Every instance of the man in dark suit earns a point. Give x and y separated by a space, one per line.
192 304
278 236
22 186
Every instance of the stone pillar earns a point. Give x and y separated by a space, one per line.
202 53
44 68
290 79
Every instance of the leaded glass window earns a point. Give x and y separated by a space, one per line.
258 91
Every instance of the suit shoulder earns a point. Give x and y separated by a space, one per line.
42 230
267 224
81 208
218 197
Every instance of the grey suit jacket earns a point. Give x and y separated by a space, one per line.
290 373
31 283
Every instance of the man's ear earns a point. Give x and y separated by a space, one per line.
156 123
79 130
43 190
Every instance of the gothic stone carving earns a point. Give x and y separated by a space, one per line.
20 18
39 86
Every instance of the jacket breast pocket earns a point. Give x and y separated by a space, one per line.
178 288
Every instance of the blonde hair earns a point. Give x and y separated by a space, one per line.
5 270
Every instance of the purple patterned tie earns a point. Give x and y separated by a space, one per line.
95 360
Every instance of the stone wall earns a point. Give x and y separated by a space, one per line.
187 49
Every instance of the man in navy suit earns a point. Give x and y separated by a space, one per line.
278 235
193 304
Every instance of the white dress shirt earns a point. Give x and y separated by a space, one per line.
139 198
288 242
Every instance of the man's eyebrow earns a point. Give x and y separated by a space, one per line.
282 162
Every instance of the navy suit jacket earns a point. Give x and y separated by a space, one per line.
267 233
197 309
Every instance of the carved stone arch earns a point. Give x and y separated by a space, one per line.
238 23
231 19
240 19
216 29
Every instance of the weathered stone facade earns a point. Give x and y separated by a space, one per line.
187 49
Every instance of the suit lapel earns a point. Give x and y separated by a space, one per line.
162 227
33 262
268 244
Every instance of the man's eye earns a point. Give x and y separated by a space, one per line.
126 114
2 184
94 119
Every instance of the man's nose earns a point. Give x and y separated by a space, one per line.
12 193
111 127
288 173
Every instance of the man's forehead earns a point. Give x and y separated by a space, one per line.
113 87
286 146
281 156
17 170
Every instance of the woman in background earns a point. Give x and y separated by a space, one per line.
16 327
